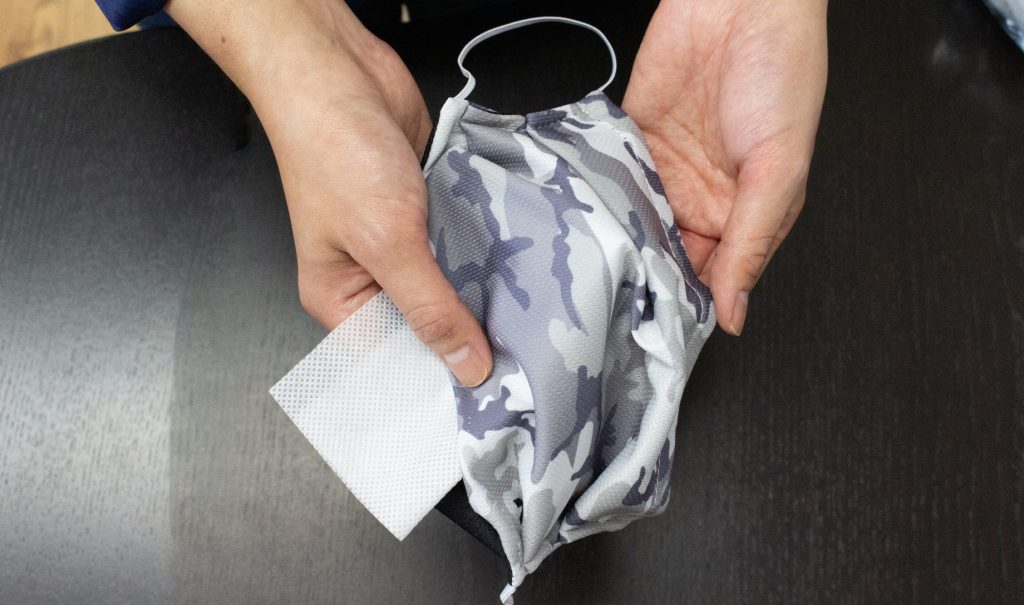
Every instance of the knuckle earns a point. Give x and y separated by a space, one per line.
374 247
380 242
432 324
751 272
757 250
369 241
752 264
750 257
310 295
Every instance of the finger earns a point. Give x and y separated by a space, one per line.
407 271
754 230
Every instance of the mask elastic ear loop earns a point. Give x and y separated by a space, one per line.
471 81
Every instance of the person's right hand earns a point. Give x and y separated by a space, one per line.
348 126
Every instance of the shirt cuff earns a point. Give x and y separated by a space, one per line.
123 14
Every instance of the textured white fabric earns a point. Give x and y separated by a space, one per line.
378 406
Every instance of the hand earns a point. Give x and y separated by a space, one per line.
348 126
728 94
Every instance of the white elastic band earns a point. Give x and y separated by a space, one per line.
468 88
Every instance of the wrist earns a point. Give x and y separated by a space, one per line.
277 51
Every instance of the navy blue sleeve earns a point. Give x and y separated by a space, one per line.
123 14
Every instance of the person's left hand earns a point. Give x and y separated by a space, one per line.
728 94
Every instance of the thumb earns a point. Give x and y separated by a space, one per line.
767 203
409 274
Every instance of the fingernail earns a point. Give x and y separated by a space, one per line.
467 366
739 311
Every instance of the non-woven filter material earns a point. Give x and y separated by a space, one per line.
378 406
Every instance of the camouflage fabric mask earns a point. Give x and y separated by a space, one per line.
554 228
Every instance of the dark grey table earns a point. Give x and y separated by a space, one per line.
863 442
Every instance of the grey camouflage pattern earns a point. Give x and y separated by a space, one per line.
554 229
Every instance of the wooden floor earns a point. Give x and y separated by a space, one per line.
30 27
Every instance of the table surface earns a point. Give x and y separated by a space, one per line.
862 442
